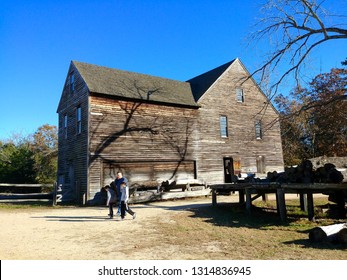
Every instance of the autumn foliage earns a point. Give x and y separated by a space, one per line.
314 119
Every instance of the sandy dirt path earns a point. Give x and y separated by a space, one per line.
87 233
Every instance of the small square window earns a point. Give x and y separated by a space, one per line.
239 95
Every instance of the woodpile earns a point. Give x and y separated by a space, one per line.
184 185
335 233
304 173
143 186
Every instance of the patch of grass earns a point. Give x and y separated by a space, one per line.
324 210
25 204
234 234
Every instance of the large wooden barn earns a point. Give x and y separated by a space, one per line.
156 129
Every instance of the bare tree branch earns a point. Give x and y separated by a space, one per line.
298 27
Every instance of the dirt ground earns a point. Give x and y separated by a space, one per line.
166 230
70 233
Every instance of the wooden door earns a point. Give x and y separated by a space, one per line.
228 169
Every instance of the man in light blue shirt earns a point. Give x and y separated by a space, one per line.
119 179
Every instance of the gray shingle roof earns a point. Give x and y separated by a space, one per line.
200 84
133 85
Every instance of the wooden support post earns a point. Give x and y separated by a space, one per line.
281 204
214 197
340 204
248 200
264 197
241 196
54 200
303 202
310 206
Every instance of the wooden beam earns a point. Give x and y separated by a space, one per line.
248 200
341 204
281 204
241 196
264 197
256 196
303 202
214 197
310 206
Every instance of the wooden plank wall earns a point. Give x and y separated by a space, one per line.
241 143
161 142
72 151
148 142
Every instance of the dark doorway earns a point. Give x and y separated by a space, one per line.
228 169
260 164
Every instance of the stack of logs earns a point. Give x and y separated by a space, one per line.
334 233
304 173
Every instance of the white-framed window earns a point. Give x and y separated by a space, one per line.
65 126
78 120
258 130
223 121
240 95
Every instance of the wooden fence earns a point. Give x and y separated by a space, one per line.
29 192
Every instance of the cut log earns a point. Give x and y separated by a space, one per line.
327 233
342 235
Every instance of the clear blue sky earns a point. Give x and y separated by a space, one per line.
173 39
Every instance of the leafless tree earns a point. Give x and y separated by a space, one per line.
295 27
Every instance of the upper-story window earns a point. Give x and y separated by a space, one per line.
240 95
258 130
72 82
65 126
223 120
78 120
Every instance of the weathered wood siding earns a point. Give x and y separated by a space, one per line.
148 142
72 148
241 143
153 142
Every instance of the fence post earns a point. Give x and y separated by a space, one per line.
54 194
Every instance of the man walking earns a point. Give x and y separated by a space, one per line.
118 181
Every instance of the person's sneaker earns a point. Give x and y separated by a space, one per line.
134 216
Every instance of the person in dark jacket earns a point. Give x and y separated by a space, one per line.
111 199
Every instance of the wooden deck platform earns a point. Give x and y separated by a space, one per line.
306 191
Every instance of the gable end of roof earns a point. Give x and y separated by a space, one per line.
200 84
